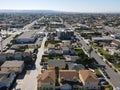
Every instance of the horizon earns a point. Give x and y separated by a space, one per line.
90 6
56 11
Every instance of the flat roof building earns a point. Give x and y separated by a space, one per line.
16 66
27 37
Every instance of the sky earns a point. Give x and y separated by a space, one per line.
63 5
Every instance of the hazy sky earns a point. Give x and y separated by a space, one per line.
63 5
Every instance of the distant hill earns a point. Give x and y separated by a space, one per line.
30 11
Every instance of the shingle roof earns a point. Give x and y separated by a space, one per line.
69 74
47 76
87 75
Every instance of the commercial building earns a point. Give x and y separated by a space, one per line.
64 33
27 37
102 39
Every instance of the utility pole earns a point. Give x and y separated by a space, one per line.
1 44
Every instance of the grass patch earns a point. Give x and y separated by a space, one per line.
45 58
79 51
117 66
98 73
109 87
51 42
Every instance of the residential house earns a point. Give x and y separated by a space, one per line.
55 51
116 43
70 75
18 55
2 57
56 63
46 80
69 79
89 80
77 67
9 56
6 79
69 58
16 66
66 50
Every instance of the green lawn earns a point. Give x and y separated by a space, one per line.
109 87
98 73
79 51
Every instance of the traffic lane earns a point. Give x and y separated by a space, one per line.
6 41
98 58
114 77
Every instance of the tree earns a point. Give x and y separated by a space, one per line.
90 50
66 67
57 76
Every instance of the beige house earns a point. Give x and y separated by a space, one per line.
16 66
89 80
46 81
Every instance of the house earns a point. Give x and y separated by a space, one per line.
102 39
89 80
66 50
77 67
2 57
10 51
18 55
56 63
9 56
55 51
46 80
27 56
70 75
16 66
69 58
6 79
116 43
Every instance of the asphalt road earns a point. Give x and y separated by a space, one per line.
114 77
6 41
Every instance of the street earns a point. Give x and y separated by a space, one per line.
114 77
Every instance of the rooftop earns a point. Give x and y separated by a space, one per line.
12 63
27 35
56 63
46 77
87 75
69 74
4 76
